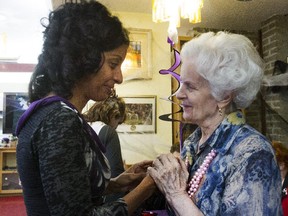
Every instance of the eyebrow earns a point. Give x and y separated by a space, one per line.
114 57
196 84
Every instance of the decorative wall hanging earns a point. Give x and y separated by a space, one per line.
137 64
141 115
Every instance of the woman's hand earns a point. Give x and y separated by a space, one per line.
140 167
170 175
130 178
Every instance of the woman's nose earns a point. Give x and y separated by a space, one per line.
179 93
118 76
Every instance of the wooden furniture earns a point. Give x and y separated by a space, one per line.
9 179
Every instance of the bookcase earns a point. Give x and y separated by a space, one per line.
9 179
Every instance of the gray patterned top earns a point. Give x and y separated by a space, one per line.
61 169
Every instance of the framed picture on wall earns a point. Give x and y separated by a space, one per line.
140 115
14 105
137 64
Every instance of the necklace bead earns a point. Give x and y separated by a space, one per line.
201 171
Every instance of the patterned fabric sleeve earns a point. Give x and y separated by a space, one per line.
60 145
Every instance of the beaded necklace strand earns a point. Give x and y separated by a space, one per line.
197 177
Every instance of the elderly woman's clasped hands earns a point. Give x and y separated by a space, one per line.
170 175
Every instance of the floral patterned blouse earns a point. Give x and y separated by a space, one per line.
243 178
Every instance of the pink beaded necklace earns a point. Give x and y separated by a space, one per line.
196 180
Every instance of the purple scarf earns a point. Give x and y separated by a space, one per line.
45 101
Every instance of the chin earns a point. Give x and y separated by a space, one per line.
187 118
101 97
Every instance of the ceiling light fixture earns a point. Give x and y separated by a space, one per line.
173 10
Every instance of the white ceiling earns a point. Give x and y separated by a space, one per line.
20 20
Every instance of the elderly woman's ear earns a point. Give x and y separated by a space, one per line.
224 103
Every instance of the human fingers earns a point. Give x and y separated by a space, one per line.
140 167
151 171
154 174
164 160
145 164
184 172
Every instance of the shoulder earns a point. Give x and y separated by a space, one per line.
58 118
108 131
247 150
97 126
250 140
63 115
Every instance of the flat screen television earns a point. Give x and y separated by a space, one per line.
14 105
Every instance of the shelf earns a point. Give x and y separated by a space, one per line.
9 171
9 179
11 191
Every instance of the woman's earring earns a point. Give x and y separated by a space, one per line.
220 111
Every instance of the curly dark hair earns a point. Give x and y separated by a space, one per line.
75 38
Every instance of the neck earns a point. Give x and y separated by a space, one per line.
209 127
76 101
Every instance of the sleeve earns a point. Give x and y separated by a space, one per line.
253 184
62 165
113 149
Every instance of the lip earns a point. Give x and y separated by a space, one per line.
185 105
109 89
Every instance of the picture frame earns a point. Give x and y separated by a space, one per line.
137 64
14 105
140 115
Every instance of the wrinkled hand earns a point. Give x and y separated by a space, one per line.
170 175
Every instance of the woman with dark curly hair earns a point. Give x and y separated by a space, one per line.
60 158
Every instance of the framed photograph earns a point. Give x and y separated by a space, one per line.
140 115
137 64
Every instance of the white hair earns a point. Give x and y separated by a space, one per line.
229 62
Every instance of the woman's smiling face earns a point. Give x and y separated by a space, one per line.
195 95
98 87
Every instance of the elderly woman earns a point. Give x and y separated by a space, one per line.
227 167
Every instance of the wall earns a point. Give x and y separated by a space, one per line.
275 47
137 147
